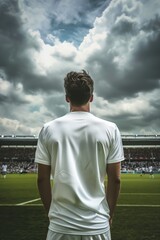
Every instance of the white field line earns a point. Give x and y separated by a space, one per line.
118 205
137 205
139 193
23 203
16 205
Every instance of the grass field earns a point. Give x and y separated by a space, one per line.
137 215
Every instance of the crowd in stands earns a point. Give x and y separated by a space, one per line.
141 159
18 159
140 166
142 153
21 159
18 154
21 167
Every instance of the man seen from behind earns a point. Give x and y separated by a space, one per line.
79 150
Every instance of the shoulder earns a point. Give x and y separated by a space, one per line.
53 122
104 122
51 126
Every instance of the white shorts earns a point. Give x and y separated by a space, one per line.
58 236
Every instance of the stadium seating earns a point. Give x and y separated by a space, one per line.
140 153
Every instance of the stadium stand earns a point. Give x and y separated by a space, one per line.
141 152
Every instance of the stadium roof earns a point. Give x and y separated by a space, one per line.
143 140
18 140
128 140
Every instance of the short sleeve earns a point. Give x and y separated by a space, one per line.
42 154
116 153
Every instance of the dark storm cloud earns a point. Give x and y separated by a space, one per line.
153 116
124 26
128 122
141 72
57 104
144 72
40 41
11 102
12 98
134 122
2 98
16 47
14 42
46 83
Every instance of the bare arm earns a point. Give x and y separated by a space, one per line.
113 186
44 185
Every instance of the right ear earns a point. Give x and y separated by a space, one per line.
91 98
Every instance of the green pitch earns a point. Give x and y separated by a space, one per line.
137 215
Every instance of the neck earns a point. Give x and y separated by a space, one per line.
84 108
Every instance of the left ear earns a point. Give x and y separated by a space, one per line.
67 99
91 98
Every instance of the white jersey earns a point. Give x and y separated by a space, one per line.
78 146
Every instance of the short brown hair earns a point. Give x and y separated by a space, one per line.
78 87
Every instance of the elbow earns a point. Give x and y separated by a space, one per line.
116 181
116 184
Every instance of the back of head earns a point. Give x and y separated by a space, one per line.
78 87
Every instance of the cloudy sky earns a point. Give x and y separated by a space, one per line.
117 42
